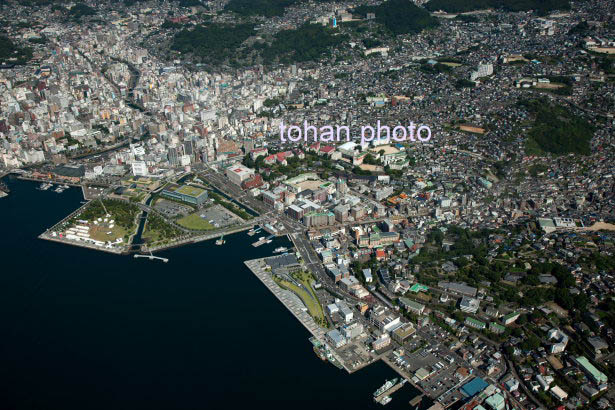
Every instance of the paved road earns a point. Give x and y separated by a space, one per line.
527 392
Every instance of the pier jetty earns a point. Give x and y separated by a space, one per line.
257 266
390 391
416 401
152 257
262 241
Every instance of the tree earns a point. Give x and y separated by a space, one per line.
400 16
531 343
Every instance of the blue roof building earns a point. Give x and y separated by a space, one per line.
474 387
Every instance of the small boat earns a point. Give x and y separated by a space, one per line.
388 385
281 249
254 231
385 400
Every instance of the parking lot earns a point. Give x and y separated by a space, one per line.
219 216
171 209
428 361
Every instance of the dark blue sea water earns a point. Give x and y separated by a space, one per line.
82 329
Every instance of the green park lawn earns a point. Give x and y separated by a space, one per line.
308 298
194 221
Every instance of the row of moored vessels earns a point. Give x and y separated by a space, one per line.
381 395
46 185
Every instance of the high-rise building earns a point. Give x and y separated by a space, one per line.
172 157
188 148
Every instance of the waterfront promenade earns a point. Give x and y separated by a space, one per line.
52 180
196 239
257 266
83 244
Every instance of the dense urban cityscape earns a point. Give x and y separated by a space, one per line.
478 264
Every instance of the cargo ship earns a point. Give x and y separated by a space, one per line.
388 385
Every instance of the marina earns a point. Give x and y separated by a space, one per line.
61 189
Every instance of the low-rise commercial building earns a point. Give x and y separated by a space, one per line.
475 323
185 193
412 306
403 332
594 374
238 173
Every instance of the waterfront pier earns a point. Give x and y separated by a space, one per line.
257 266
152 257
389 392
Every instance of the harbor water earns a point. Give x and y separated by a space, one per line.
83 329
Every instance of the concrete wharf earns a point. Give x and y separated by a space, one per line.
390 391
152 257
